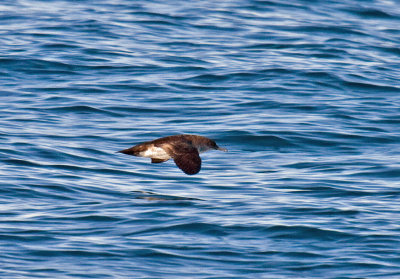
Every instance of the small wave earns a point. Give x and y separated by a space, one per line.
198 228
371 87
307 232
79 109
370 13
269 141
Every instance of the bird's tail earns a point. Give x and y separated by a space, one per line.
134 151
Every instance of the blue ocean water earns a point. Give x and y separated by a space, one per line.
304 94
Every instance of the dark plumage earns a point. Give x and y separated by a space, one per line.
184 149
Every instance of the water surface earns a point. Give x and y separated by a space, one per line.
305 95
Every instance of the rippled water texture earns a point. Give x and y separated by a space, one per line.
304 94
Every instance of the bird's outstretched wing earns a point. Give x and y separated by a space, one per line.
185 156
189 163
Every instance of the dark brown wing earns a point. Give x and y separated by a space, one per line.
189 162
185 155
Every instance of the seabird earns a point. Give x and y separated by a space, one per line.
184 149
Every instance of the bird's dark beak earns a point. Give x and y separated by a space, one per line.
222 149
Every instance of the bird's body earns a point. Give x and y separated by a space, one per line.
184 149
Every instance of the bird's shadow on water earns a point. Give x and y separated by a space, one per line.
151 196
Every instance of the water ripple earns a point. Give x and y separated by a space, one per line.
304 96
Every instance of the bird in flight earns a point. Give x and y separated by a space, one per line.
184 149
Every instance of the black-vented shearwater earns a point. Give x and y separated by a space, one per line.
184 149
